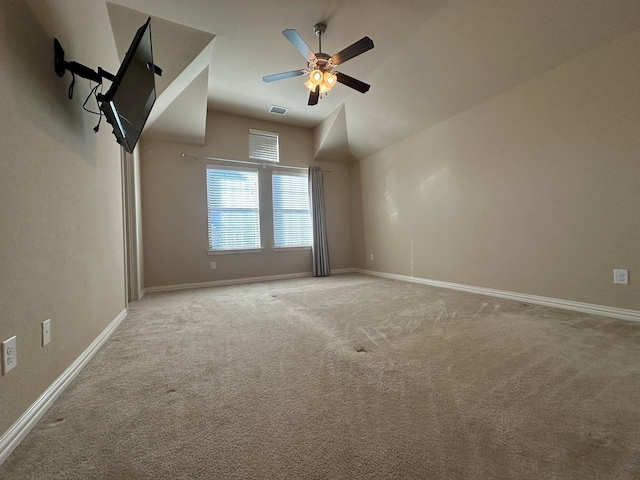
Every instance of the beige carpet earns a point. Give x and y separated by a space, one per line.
348 377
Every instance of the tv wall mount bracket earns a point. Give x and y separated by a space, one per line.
61 65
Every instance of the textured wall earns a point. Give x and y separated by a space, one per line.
534 191
61 247
175 212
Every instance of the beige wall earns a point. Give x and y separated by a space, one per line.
358 250
536 190
175 213
138 220
61 247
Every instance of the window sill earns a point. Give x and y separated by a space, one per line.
288 249
231 252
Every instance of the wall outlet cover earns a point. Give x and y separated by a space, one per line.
9 355
620 276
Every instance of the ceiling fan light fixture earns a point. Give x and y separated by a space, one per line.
320 66
315 77
329 80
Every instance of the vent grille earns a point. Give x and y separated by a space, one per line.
278 110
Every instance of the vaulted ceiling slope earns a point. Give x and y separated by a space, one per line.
184 54
432 58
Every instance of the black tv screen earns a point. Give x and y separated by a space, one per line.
129 100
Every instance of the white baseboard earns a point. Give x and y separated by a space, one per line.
12 437
218 283
342 270
142 293
236 281
604 311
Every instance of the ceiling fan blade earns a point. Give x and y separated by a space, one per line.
297 41
361 46
352 82
283 75
314 96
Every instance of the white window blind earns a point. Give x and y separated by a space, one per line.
233 207
263 146
291 213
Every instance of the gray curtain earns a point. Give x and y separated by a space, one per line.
320 248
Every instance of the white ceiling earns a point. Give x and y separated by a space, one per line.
432 59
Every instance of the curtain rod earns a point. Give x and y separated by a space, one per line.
263 164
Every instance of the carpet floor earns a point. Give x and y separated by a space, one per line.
346 377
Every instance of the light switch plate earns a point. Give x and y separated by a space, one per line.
46 332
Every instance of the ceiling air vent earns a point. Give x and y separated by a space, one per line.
278 110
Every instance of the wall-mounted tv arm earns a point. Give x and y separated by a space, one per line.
61 65
128 101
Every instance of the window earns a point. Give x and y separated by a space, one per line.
263 146
291 214
233 208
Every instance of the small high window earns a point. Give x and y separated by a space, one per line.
263 146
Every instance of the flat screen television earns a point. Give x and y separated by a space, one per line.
128 102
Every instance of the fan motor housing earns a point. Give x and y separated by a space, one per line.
321 62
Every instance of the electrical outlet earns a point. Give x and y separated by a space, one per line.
371 256
46 332
213 265
621 277
9 355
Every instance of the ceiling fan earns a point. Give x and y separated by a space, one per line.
321 67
